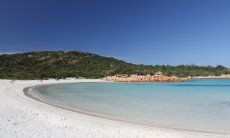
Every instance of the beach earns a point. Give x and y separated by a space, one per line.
21 116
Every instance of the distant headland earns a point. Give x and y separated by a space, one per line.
63 64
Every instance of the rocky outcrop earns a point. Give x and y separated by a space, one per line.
142 78
223 76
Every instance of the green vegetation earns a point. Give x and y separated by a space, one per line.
53 64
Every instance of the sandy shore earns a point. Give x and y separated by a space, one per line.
21 116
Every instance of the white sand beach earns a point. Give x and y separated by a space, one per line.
21 116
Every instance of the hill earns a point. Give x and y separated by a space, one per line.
53 64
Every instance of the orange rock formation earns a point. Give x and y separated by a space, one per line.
142 78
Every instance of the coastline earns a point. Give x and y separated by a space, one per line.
223 76
23 116
158 78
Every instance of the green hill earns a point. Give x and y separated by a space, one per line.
53 64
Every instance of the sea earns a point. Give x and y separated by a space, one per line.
196 105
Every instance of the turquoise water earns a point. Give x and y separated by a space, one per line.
199 105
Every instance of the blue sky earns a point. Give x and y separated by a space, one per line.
138 31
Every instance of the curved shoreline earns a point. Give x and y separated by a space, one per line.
22 116
28 91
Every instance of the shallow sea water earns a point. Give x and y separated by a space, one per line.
197 105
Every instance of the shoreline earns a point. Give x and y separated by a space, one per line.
30 93
158 78
90 123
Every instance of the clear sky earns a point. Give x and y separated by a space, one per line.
138 31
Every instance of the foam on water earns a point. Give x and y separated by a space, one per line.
199 105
